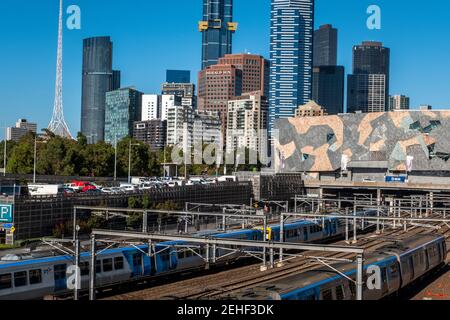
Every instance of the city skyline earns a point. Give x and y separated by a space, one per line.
147 72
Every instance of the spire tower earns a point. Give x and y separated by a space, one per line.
58 125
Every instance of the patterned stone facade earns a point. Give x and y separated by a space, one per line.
319 144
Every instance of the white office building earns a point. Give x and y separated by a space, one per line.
151 107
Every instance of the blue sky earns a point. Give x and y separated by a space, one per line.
151 36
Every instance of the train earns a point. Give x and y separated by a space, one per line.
401 263
31 276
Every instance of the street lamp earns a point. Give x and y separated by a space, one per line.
115 159
35 156
4 152
129 160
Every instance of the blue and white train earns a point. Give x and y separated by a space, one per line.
401 264
31 277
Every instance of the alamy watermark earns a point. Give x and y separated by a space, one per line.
73 21
374 19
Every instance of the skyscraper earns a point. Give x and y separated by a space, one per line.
291 55
325 46
217 85
368 86
328 88
123 108
217 28
178 76
255 71
98 79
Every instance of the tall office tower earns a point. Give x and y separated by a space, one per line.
217 28
151 107
255 71
371 63
398 102
328 88
366 93
217 85
123 108
291 55
178 76
98 79
185 91
325 46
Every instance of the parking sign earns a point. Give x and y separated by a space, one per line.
6 213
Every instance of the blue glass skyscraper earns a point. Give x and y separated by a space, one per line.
291 55
217 28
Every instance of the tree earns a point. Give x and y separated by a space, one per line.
21 160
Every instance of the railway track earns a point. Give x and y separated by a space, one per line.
223 284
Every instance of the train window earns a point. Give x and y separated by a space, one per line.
393 270
5 281
352 287
98 266
137 259
311 297
327 294
340 293
84 268
35 276
305 230
107 265
118 263
60 271
20 279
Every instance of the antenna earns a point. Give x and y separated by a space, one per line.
58 125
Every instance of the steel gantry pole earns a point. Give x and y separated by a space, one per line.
359 276
281 236
92 273
74 224
4 152
77 265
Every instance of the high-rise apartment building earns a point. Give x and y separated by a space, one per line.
217 85
207 128
123 108
169 101
217 29
325 46
21 129
291 56
151 132
247 122
371 69
178 76
98 79
399 102
255 71
179 125
151 107
328 88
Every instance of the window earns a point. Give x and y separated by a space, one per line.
60 271
118 263
107 265
20 279
84 268
35 276
339 293
98 266
5 281
327 295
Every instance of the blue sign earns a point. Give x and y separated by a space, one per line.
401 179
6 213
